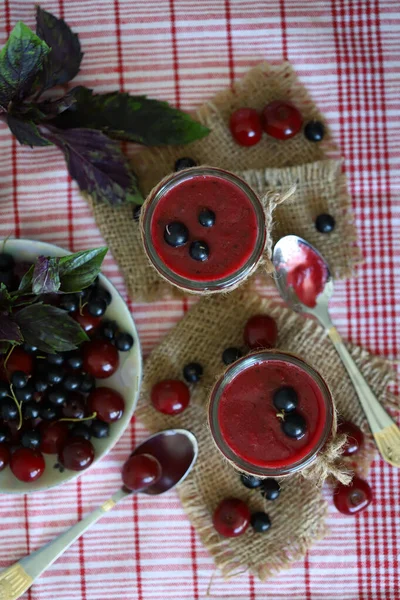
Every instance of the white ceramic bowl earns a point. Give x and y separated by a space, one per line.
126 380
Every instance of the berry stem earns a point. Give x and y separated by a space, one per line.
13 397
92 416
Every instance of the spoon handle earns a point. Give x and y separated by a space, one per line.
15 580
383 428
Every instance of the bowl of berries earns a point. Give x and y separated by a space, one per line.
70 364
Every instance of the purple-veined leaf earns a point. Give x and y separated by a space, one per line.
9 330
46 278
26 132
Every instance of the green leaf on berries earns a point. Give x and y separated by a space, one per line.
26 132
63 63
97 165
79 270
20 60
49 328
133 118
9 330
46 278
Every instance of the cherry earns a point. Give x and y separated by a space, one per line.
245 126
170 396
140 471
88 322
281 120
53 436
19 360
77 454
260 331
100 358
353 498
108 404
27 465
231 517
4 456
355 437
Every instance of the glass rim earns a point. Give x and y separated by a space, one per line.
228 376
223 283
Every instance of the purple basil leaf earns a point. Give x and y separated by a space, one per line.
97 164
5 298
20 61
26 132
46 278
9 330
49 328
25 285
63 63
52 108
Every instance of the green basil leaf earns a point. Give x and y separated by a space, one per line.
20 60
64 61
79 270
133 118
9 330
26 132
49 328
46 278
25 284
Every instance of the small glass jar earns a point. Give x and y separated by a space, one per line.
246 426
239 232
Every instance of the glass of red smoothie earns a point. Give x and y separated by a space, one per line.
203 229
247 427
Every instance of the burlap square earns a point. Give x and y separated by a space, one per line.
322 187
298 515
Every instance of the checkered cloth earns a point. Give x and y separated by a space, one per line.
347 53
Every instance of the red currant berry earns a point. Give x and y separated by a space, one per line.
53 436
77 454
353 498
27 465
108 404
260 331
281 120
100 358
245 126
19 360
355 437
170 396
231 517
88 322
4 456
140 471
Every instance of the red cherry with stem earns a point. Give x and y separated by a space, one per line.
100 358
231 517
27 465
4 456
140 471
19 360
260 331
245 126
88 323
281 120
355 437
108 404
352 499
77 454
170 396
53 436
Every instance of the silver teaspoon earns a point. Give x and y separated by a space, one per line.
385 431
175 449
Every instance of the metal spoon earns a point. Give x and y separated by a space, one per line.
175 449
385 431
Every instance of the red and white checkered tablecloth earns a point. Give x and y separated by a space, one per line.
347 53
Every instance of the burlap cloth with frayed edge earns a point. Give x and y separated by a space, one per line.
298 516
270 165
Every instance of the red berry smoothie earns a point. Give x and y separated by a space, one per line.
248 427
235 240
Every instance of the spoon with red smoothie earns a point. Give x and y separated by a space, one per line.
304 281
